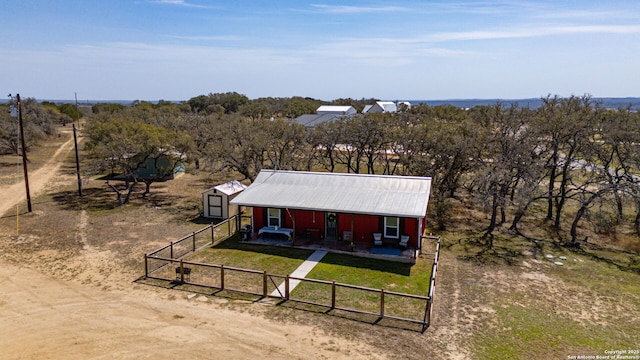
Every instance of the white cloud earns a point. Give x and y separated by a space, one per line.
178 3
528 32
346 9
224 38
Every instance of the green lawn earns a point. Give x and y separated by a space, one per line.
345 269
272 259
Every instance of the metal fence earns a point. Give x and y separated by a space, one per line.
330 294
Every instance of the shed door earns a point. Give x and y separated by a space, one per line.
215 206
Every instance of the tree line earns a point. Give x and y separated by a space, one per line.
39 118
568 162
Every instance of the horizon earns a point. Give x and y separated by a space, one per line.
604 102
408 49
71 100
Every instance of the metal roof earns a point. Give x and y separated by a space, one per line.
312 120
336 109
229 188
404 196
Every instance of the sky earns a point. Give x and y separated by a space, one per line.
390 50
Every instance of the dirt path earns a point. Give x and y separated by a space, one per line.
38 179
49 318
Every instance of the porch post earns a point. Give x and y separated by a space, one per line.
419 247
293 219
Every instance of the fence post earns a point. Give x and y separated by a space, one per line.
427 314
181 272
171 250
381 303
212 235
221 277
333 294
264 284
228 227
286 287
146 266
194 240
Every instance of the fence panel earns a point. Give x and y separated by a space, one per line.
225 229
273 283
206 275
404 307
152 264
202 238
313 292
183 247
354 298
243 280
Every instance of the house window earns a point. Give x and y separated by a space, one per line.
273 217
391 227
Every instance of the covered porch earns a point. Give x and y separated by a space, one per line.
363 249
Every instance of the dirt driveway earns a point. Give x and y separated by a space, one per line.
44 317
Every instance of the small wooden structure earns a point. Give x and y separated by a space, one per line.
215 201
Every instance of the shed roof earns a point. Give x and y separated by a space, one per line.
404 196
229 188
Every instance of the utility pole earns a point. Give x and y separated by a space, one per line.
75 141
76 95
24 153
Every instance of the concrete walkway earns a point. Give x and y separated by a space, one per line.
301 272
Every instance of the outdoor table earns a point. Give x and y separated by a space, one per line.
276 230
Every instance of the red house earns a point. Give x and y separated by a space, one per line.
381 210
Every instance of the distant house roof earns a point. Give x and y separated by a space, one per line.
384 195
381 106
312 120
336 109
229 188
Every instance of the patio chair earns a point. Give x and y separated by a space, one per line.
377 239
404 240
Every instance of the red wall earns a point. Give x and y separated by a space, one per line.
410 228
363 225
306 219
258 219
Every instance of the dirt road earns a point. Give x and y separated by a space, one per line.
49 318
38 179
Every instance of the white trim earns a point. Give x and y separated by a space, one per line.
397 227
269 217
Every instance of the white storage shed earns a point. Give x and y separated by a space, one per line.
215 201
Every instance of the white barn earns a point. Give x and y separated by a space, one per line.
215 201
336 109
